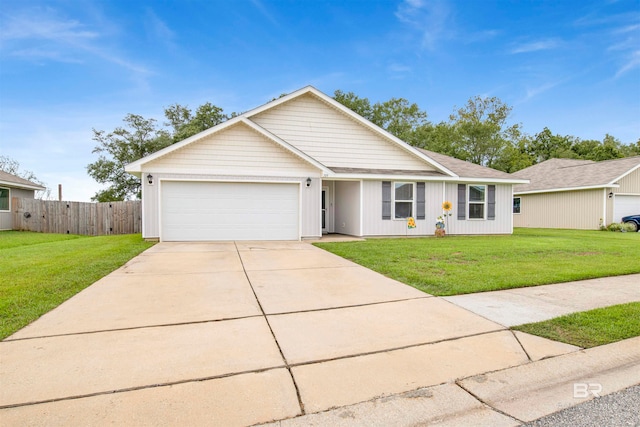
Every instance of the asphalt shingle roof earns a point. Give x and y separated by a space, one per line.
8 178
466 169
556 174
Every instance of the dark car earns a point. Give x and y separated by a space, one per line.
633 220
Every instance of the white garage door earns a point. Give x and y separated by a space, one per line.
624 206
203 211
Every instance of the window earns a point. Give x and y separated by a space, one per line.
477 201
516 205
4 199
403 200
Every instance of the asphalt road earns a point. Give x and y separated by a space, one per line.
615 409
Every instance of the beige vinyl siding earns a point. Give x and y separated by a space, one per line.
502 224
334 139
238 150
608 202
347 212
629 184
564 209
6 218
310 199
374 225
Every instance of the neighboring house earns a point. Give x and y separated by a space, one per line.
13 186
304 165
582 194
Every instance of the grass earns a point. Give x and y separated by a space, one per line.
590 328
40 271
465 264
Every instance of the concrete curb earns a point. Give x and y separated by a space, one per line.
507 397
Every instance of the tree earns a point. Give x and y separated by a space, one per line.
124 145
361 106
12 166
545 145
185 124
480 130
141 137
397 116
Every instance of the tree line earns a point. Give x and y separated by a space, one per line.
478 132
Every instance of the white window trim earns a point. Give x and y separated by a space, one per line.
393 200
9 204
469 202
520 204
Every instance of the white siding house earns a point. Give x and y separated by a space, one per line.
580 194
304 165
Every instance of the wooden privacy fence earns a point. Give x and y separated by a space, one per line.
92 219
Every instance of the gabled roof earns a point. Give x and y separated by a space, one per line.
136 167
571 174
14 181
445 167
470 171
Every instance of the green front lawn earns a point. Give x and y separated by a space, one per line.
464 264
40 271
590 328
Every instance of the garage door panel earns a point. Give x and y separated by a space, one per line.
229 211
624 205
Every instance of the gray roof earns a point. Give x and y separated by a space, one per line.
17 182
466 169
562 174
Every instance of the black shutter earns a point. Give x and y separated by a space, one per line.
462 201
491 207
420 198
386 199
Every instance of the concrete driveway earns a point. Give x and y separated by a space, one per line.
242 333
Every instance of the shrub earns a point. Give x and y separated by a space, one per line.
615 226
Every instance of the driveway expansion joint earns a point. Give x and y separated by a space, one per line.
133 328
487 405
143 387
312 310
521 346
391 349
284 359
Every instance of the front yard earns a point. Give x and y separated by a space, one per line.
40 271
465 264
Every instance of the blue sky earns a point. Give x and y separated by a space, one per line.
69 66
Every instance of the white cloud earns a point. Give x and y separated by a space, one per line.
633 61
430 18
262 9
159 30
68 40
535 46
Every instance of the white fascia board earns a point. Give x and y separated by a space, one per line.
557 190
354 116
284 144
22 186
624 174
136 166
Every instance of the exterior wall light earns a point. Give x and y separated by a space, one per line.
150 179
308 182
611 195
